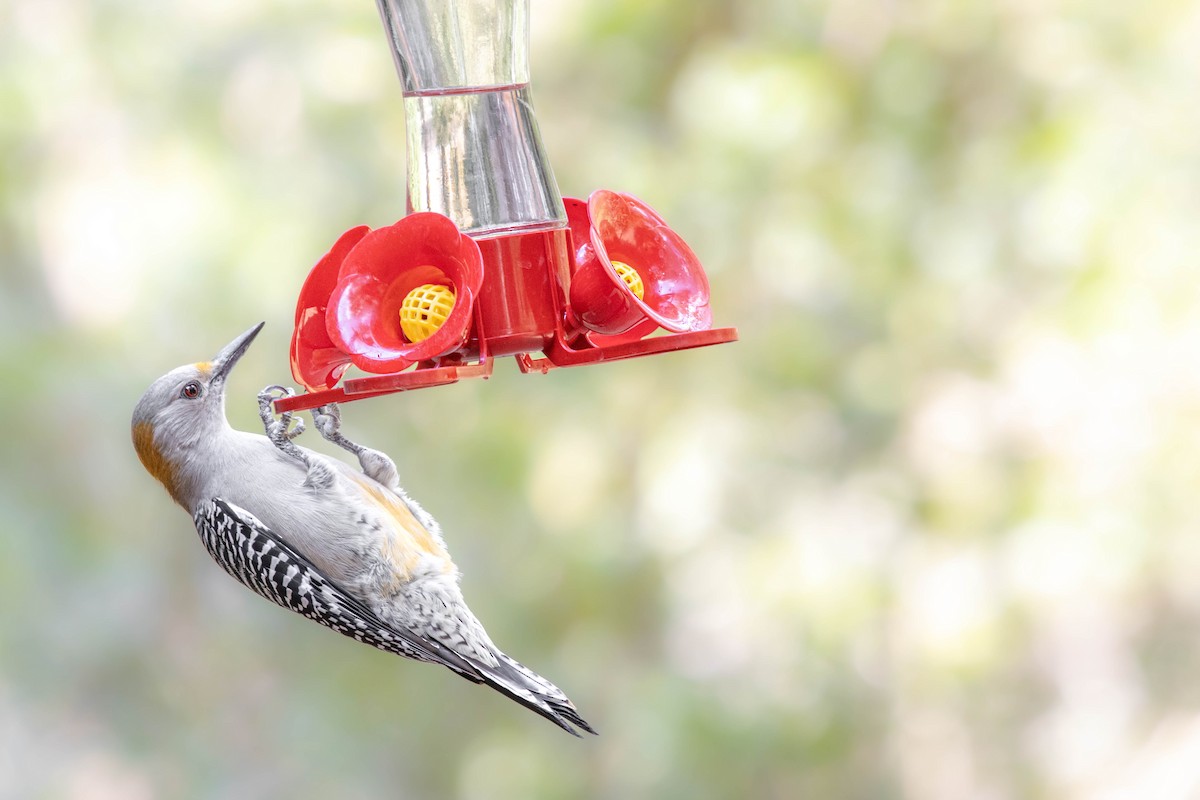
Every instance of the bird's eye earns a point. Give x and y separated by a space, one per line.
190 390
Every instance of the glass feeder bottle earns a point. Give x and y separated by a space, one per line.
475 153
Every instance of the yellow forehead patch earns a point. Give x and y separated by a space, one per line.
205 367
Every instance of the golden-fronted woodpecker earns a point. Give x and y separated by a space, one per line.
344 548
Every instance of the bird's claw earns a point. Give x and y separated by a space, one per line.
280 431
328 419
267 398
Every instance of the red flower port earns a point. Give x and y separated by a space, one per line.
349 307
317 363
614 235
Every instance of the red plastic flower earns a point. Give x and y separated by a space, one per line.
612 227
317 363
357 289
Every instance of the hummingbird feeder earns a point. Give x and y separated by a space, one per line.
490 260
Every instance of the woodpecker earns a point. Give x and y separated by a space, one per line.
344 548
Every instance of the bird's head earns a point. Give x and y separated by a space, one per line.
181 411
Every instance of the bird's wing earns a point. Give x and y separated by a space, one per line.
266 564
263 562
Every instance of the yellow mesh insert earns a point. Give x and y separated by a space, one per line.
631 278
424 310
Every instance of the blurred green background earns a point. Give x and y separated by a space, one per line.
928 531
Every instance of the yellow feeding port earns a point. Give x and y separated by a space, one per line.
631 278
424 310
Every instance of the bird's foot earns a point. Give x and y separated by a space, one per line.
280 432
376 465
287 427
328 419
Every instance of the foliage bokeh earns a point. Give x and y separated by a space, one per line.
927 531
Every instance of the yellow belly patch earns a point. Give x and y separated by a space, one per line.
409 540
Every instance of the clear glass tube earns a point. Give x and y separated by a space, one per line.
475 152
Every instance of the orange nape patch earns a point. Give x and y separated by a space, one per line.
153 460
410 539
204 367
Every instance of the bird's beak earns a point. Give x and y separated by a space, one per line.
230 353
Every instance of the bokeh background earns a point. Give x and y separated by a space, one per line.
928 531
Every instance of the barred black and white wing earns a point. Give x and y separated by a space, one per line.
262 562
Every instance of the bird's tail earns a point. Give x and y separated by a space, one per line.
531 690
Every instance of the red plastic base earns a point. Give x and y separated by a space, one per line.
559 354
377 385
